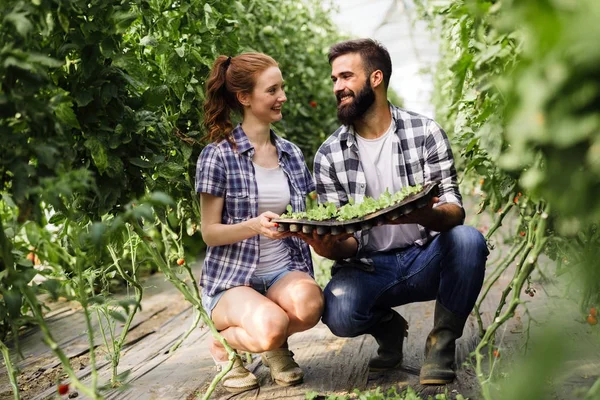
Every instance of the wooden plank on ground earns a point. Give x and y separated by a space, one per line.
143 354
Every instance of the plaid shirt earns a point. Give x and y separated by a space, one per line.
423 155
225 172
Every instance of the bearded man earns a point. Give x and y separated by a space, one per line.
427 254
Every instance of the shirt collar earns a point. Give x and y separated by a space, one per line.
244 145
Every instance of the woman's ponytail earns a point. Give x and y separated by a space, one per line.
219 102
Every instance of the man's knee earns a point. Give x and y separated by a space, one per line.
468 241
339 313
342 325
470 254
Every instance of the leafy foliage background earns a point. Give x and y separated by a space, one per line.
101 104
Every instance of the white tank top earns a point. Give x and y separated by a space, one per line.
377 160
273 195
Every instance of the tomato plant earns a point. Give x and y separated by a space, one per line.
100 105
517 90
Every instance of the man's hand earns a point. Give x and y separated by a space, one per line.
441 218
417 216
334 247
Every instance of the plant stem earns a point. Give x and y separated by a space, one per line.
35 307
139 290
594 391
536 244
496 274
217 379
10 369
195 323
88 321
498 221
192 296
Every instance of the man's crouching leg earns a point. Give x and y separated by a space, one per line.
389 334
464 252
348 313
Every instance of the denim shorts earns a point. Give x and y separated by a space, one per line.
259 283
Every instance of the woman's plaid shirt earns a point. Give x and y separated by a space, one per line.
228 173
423 155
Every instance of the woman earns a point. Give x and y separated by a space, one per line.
256 282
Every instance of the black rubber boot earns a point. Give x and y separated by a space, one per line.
389 334
440 347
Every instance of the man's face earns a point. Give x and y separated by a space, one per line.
351 87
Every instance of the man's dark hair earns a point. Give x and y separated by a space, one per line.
374 56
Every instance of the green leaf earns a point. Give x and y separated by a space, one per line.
44 60
52 286
97 231
138 162
161 198
20 21
24 262
57 218
13 301
82 97
123 20
117 316
8 200
63 20
98 153
64 112
143 211
127 304
96 300
155 96
149 41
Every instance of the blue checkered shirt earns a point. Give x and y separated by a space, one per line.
228 173
423 155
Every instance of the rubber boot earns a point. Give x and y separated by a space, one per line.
440 347
389 334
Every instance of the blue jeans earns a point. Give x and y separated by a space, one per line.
450 268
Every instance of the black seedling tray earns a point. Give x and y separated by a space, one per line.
368 221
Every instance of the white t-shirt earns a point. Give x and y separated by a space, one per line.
376 158
273 195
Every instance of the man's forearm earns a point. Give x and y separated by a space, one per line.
444 217
340 250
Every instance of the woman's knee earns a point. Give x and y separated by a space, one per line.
272 329
308 308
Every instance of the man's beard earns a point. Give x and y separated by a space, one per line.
353 111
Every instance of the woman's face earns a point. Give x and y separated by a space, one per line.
268 96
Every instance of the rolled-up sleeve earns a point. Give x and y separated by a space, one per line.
210 172
439 165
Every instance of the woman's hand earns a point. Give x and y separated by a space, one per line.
263 225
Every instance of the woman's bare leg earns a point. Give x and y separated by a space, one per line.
300 297
248 321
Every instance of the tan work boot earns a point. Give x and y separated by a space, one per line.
239 379
440 347
389 334
284 370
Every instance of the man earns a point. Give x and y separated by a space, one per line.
425 255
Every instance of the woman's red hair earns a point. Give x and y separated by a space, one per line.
228 77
